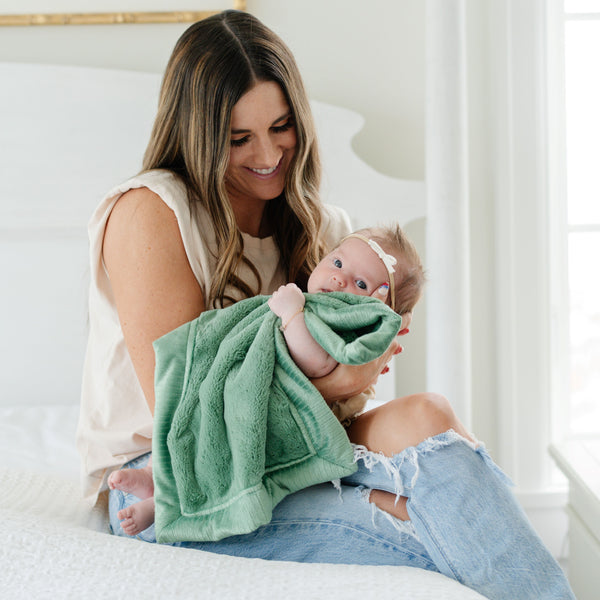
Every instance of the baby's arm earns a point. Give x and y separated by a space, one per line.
288 303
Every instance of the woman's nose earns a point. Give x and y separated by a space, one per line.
267 154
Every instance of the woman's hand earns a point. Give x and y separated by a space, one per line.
347 380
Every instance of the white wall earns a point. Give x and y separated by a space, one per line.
137 47
365 56
368 57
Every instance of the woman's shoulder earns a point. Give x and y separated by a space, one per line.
140 218
335 225
140 206
152 210
158 182
148 190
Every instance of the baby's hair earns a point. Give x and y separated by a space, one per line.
409 276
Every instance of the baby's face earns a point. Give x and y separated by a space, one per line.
353 267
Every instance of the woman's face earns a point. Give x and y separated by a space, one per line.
263 142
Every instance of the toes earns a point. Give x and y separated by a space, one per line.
115 479
125 513
130 529
128 525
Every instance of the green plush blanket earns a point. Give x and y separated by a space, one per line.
238 426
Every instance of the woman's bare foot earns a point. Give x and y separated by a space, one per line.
137 517
133 481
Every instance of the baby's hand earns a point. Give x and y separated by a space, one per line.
287 301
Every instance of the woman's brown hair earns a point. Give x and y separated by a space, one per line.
214 63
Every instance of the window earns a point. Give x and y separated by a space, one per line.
575 53
582 141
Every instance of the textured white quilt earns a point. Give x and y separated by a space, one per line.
53 546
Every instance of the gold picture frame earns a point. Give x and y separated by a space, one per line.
113 18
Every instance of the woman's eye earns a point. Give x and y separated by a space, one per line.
239 142
281 128
361 284
337 263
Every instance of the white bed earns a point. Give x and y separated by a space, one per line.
66 136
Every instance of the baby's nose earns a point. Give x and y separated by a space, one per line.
338 280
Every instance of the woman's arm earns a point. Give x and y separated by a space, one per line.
288 303
154 287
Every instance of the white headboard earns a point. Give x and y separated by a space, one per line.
67 135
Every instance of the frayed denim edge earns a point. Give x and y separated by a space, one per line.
393 464
402 527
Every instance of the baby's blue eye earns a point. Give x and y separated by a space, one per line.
337 263
361 284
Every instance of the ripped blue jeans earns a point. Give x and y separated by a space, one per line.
464 522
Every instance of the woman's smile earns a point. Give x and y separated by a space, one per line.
265 173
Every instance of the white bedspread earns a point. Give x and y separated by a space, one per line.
54 546
52 549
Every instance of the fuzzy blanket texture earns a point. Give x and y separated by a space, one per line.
238 426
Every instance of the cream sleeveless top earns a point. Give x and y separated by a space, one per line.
115 424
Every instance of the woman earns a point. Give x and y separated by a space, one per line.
227 207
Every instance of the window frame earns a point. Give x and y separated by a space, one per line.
560 229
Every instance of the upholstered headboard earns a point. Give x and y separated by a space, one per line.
67 135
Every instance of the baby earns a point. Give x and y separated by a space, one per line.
379 262
361 266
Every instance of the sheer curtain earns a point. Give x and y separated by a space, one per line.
491 326
448 248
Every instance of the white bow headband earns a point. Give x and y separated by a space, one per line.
387 259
